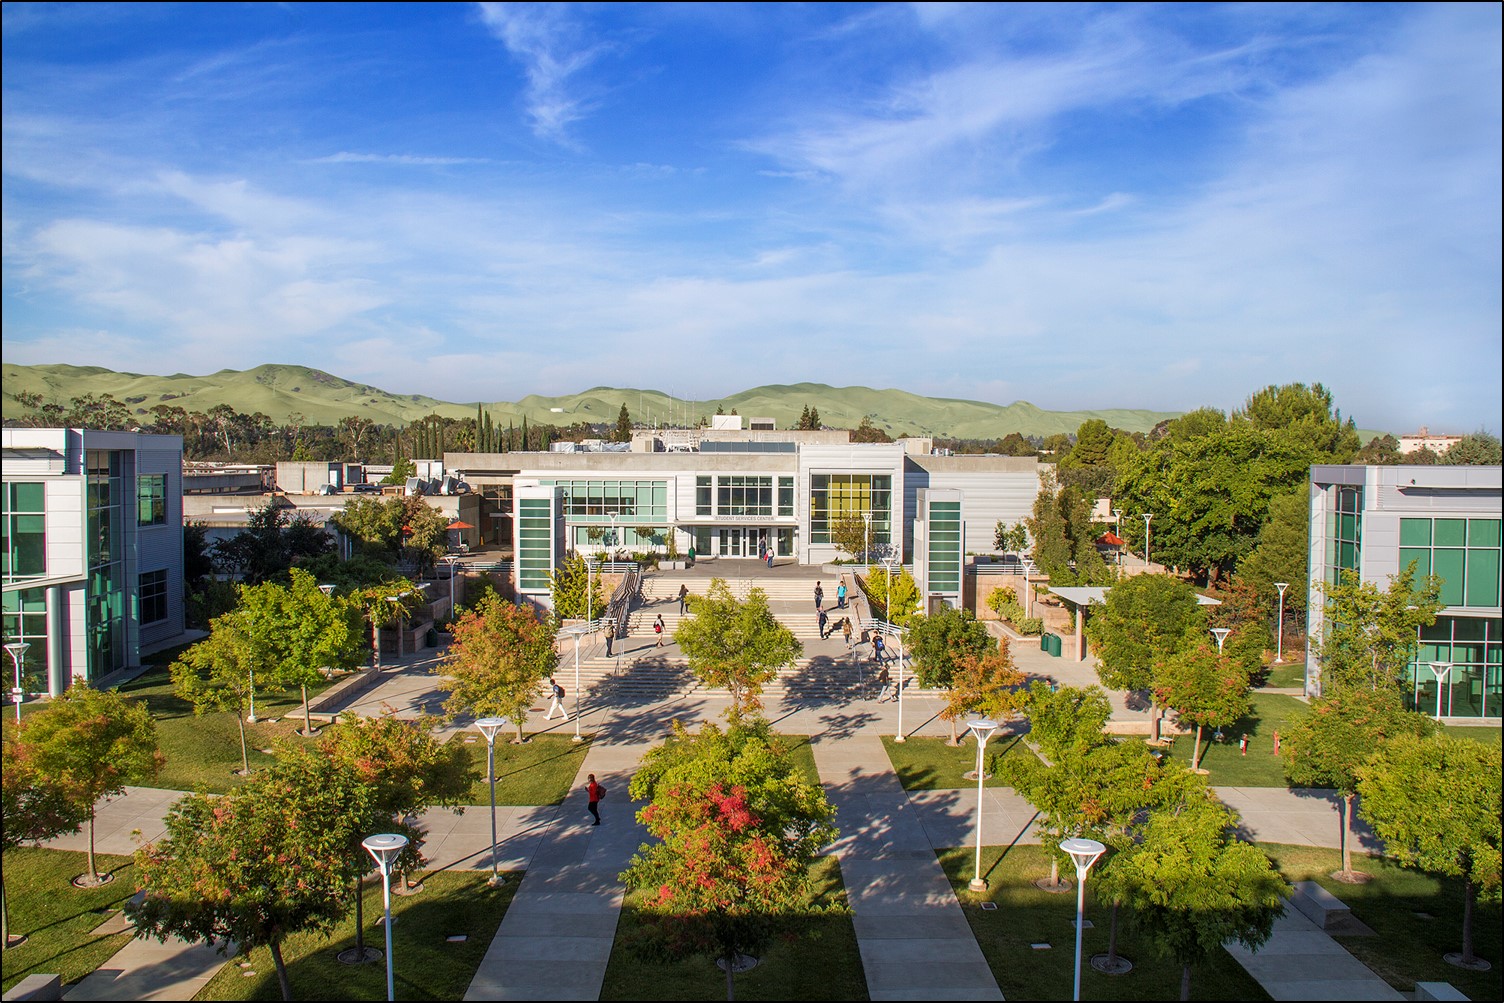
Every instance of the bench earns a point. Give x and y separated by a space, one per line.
1438 991
1318 905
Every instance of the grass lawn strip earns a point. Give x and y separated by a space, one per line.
1416 918
58 919
1261 767
822 962
538 772
1026 916
928 764
427 965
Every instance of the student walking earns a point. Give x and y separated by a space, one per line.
770 557
877 649
595 792
884 686
610 636
658 629
683 596
557 692
846 630
819 595
823 617
841 595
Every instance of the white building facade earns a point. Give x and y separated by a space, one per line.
93 548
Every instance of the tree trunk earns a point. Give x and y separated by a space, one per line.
953 739
1054 871
286 986
1154 722
360 918
1467 923
520 737
1112 937
93 874
245 759
1196 750
1185 982
1347 817
307 718
731 976
4 916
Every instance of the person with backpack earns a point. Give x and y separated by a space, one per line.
819 595
594 792
846 630
841 595
658 629
683 597
877 648
557 692
823 618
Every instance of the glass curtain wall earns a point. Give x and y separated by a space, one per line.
1474 648
834 497
107 540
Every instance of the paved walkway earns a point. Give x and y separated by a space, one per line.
1301 962
914 939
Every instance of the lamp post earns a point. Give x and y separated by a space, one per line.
251 717
589 590
384 848
1441 671
1083 853
1117 524
451 560
893 630
867 535
1279 635
489 726
982 729
615 541
577 631
1220 633
1147 517
889 563
17 651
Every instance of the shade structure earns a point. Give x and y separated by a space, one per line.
1110 539
460 524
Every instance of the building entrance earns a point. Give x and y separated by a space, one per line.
742 541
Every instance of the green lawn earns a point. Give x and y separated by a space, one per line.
1488 735
203 752
56 918
540 771
820 962
1261 767
427 965
1027 916
1416 917
928 764
1287 673
803 756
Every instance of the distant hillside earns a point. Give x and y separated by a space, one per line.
320 398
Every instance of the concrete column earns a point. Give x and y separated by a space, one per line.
57 634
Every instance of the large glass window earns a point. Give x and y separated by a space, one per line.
24 523
535 543
598 500
703 496
26 620
151 500
786 496
945 556
106 603
1470 651
151 591
740 495
833 497
1463 553
1344 534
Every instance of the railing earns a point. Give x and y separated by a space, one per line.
621 599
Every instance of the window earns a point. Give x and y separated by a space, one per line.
1474 683
535 544
1344 530
1463 553
739 495
151 500
834 497
152 593
702 496
945 556
786 497
25 530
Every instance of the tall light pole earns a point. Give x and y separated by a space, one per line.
489 726
981 729
385 848
615 540
1083 853
451 560
1147 517
17 651
589 590
1279 635
1441 671
1220 633
867 535
251 717
577 631
889 562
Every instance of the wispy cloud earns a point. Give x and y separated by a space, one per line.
402 159
545 39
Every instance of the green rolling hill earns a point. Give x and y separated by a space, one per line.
320 398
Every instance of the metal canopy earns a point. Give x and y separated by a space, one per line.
1085 595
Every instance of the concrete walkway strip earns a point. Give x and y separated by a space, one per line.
1301 962
914 939
151 970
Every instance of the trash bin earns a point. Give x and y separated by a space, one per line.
1044 642
1055 645
431 639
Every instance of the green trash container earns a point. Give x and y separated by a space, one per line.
1044 642
1055 645
431 639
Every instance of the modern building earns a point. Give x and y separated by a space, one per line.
730 494
1426 439
93 548
1446 519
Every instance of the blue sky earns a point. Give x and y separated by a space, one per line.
1078 206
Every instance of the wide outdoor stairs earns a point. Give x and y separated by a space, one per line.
639 671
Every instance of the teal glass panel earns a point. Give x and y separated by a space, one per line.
1415 532
1441 630
1483 532
27 497
1448 566
1421 557
1450 533
1466 628
1482 578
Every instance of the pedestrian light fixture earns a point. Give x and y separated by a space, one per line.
17 652
1220 633
577 631
385 847
1279 635
1441 670
489 726
1083 853
982 729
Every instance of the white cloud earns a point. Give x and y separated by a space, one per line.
402 159
544 39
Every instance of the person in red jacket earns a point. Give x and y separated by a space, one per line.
596 792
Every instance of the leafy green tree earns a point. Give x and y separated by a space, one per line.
500 655
903 606
1448 824
1310 413
425 533
1369 636
988 684
623 431
735 644
1326 746
88 744
737 828
1381 450
269 545
301 631
401 471
1206 688
938 643
1281 555
1479 449
865 431
375 524
219 674
1093 439
851 535
33 810
574 587
257 865
1193 885
1146 620
1047 528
